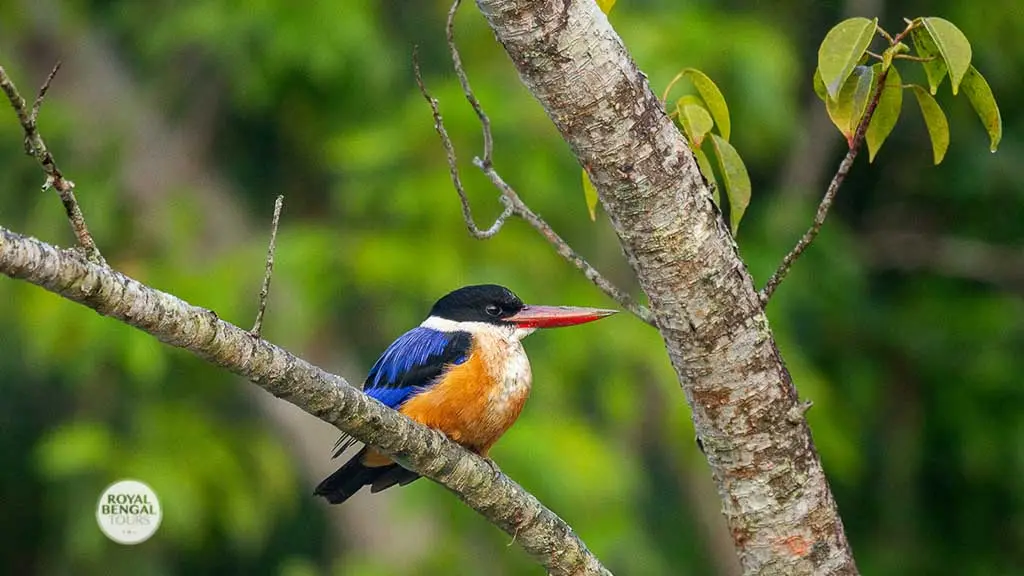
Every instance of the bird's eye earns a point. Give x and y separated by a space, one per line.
493 310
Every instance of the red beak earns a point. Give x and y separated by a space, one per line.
556 316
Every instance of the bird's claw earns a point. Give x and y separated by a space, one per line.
494 467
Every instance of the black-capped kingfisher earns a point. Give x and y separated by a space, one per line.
463 371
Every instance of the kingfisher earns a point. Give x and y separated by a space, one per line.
462 371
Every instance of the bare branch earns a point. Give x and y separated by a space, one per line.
36 147
453 164
257 327
837 180
460 71
538 530
830 194
42 93
514 205
519 208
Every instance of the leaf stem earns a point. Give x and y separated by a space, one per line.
913 58
884 34
671 84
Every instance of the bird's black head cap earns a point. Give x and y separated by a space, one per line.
481 303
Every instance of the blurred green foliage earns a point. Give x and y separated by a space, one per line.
914 371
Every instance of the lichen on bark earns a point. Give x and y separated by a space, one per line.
774 492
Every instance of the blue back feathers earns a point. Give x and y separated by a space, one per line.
413 362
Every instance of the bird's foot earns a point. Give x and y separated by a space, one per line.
494 466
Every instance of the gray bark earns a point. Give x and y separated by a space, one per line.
746 412
504 503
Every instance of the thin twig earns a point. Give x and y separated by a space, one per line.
830 194
453 164
36 147
460 71
514 205
519 208
42 93
257 328
844 167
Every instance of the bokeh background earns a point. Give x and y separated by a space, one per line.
181 121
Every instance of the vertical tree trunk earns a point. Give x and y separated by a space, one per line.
775 496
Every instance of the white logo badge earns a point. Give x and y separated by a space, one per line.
128 512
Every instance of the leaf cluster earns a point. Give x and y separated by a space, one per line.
849 86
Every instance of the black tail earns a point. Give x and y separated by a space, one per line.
348 479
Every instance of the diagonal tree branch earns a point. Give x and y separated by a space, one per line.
538 530
514 205
776 499
36 147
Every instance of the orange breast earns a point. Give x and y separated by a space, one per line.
468 404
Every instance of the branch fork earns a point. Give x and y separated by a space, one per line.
514 205
805 241
36 147
81 275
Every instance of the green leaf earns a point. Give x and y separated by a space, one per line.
819 86
848 107
695 119
984 103
842 49
713 98
925 47
737 181
886 113
935 120
705 168
954 47
590 195
606 5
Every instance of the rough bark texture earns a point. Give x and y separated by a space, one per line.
774 493
503 502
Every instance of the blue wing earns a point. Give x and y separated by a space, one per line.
413 362
410 364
